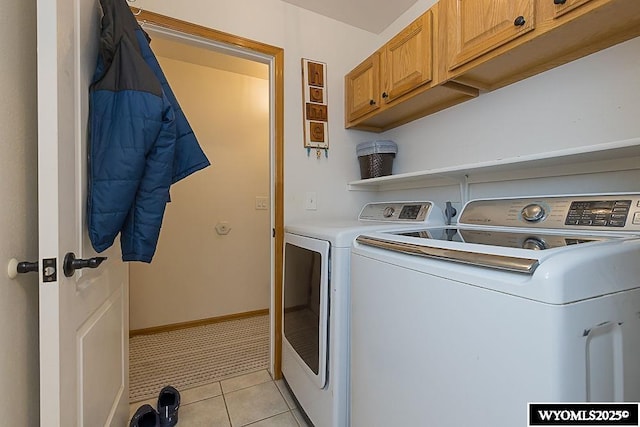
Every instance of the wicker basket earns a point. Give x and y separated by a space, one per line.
376 158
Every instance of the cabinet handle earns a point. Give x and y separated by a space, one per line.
372 102
385 95
519 22
559 1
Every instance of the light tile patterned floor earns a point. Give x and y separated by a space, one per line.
248 400
195 356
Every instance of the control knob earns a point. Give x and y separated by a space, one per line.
533 213
388 212
534 243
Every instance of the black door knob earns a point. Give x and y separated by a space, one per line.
372 102
27 267
559 1
71 263
16 267
385 95
519 22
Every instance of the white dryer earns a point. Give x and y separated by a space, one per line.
526 300
315 343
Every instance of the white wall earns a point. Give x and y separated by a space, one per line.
196 273
18 213
589 101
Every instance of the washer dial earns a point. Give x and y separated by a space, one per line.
533 213
534 243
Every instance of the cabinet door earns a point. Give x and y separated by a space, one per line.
407 59
362 88
476 27
564 6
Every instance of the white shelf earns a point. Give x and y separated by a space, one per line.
614 156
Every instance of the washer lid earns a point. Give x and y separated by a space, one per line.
558 275
521 239
461 255
376 216
342 233
488 247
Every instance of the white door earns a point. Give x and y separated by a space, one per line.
83 318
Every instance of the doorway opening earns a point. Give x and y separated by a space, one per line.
262 73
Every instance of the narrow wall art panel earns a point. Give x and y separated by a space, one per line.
314 106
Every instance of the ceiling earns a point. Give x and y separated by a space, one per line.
371 15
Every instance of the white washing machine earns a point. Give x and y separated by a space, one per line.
315 344
525 300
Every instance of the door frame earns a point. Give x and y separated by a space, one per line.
275 58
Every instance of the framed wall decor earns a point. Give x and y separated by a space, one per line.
314 105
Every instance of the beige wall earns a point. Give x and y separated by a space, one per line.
196 273
19 405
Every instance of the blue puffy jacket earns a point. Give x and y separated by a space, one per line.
140 142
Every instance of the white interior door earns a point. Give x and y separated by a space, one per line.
83 318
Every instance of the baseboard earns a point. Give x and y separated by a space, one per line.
201 322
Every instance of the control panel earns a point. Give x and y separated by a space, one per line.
605 212
610 213
396 211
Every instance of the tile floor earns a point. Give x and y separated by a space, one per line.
248 400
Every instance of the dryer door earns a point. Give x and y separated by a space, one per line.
306 303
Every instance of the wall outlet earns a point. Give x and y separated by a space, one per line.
310 202
262 203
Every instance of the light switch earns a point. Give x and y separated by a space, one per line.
262 203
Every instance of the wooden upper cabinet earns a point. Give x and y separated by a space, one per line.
407 59
362 88
476 27
564 6
487 50
459 47
404 79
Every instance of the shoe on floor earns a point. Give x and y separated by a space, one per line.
168 405
145 416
